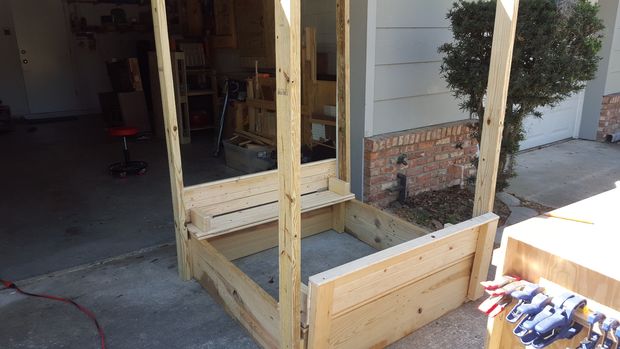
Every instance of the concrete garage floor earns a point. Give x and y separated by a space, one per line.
59 207
566 172
141 303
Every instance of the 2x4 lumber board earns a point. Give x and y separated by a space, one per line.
309 87
259 215
250 185
379 279
377 228
249 241
482 261
319 314
246 301
370 277
308 185
288 102
338 211
495 111
166 83
343 52
386 320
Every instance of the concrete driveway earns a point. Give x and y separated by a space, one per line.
566 172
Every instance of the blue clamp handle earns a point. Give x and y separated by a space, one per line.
560 325
538 304
531 301
593 337
525 329
609 325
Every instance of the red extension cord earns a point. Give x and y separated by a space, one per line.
86 311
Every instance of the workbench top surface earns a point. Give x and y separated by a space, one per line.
586 233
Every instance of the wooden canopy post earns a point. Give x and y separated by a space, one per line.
490 144
288 87
164 66
343 98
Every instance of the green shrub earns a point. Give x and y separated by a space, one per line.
555 54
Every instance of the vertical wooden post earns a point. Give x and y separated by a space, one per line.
288 102
343 95
497 93
164 66
490 145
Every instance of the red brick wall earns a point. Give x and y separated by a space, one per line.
609 122
437 157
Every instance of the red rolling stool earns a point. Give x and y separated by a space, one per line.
126 167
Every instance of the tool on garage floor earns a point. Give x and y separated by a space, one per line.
218 146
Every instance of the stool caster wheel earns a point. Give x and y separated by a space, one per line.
124 169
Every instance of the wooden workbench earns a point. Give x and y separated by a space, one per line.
579 252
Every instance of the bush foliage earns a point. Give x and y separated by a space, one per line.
555 54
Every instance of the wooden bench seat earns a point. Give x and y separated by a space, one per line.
209 226
214 209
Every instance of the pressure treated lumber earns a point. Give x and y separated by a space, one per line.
494 113
252 240
495 110
288 103
245 300
378 229
376 300
213 226
344 82
166 83
236 193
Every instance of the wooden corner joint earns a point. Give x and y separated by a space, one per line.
200 220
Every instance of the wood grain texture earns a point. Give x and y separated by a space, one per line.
245 300
376 300
164 66
343 51
484 252
265 236
377 228
258 215
497 94
255 189
288 102
320 317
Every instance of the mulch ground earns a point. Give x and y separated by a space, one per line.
433 209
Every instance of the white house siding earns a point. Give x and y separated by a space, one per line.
613 73
408 89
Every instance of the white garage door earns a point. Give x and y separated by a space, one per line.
556 124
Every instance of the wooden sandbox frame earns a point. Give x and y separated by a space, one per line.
415 278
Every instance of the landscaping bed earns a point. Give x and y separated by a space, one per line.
433 209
